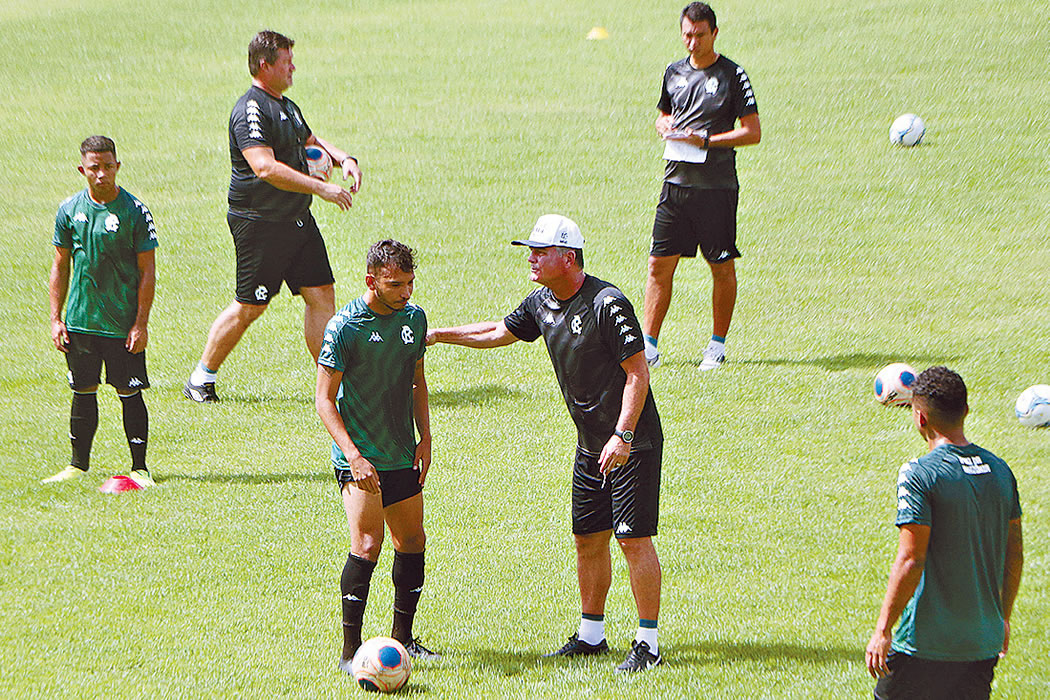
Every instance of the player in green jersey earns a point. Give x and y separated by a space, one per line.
370 390
959 558
104 258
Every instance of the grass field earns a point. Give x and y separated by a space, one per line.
471 119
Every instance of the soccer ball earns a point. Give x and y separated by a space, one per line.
1033 406
318 162
907 130
381 664
893 384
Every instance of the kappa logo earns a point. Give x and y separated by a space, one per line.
327 349
407 337
375 337
615 309
608 300
261 293
622 529
134 381
416 590
80 217
629 338
351 597
576 325
723 255
112 223
619 319
625 329
902 504
549 319
284 117
137 441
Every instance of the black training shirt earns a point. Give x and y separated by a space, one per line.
259 119
588 336
706 99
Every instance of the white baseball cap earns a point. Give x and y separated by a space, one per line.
554 230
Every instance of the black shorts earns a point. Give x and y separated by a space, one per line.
271 252
396 484
923 679
87 353
688 218
627 501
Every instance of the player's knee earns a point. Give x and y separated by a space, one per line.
413 542
368 546
662 268
724 271
247 313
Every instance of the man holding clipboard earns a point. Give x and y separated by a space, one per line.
703 97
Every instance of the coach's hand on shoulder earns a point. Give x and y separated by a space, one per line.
365 476
60 336
136 340
331 192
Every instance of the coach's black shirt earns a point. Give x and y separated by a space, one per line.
588 336
706 99
259 119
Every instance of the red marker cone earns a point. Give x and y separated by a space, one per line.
119 484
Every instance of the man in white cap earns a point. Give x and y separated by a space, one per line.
595 344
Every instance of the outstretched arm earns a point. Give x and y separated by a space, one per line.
904 579
488 334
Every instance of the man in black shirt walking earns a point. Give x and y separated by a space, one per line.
595 345
275 236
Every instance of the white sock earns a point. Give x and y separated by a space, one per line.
648 635
591 631
202 375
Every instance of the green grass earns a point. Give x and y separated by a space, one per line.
471 119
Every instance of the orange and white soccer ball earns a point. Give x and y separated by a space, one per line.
381 664
318 162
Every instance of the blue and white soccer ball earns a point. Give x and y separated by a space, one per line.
893 384
1033 406
318 162
907 130
381 664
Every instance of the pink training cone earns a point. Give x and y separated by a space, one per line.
119 484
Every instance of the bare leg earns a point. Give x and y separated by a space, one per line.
658 286
594 571
405 520
723 296
644 568
227 330
364 515
320 307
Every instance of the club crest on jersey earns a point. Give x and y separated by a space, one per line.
407 337
711 86
576 325
112 223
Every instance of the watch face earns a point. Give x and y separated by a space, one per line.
627 436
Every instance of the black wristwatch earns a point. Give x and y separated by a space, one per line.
625 435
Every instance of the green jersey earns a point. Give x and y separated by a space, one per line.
967 496
105 240
377 355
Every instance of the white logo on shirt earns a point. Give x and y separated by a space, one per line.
80 217
375 337
711 86
284 117
974 465
608 300
577 324
406 335
112 223
549 319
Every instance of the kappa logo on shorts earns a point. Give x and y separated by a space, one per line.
406 335
261 293
134 381
375 337
723 256
623 529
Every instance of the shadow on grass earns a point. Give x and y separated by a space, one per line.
701 654
873 361
474 396
247 478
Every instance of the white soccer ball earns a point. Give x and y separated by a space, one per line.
893 384
381 664
1033 406
318 162
907 130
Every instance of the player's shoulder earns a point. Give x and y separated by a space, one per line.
415 312
70 203
675 67
604 295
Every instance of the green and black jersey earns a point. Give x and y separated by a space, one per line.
105 240
966 496
377 355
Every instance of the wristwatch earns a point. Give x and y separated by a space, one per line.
625 435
